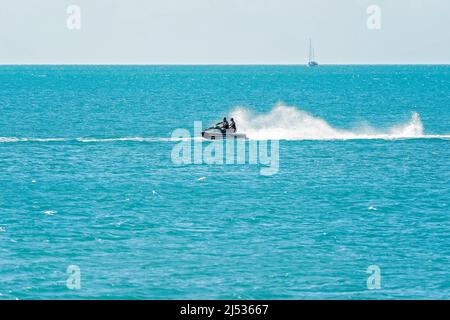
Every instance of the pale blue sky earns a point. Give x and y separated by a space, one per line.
224 32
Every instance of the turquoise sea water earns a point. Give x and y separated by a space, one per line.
87 179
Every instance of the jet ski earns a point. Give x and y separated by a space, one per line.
215 133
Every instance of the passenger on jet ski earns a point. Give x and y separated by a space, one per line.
232 125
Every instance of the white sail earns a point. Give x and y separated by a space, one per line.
311 59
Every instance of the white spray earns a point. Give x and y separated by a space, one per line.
290 123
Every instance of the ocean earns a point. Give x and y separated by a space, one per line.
93 205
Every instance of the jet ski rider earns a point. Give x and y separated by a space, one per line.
223 126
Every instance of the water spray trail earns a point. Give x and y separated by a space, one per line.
290 123
281 123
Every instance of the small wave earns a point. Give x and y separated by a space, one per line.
132 139
14 139
84 140
289 123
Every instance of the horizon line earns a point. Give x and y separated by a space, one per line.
222 64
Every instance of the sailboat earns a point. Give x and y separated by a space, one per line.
311 61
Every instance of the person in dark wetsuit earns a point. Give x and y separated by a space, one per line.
223 126
233 125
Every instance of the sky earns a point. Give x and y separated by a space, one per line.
225 32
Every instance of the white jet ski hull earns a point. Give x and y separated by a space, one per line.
219 135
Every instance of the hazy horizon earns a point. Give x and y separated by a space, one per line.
222 64
224 32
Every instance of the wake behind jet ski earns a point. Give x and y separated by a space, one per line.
223 130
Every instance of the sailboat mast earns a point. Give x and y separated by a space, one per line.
312 61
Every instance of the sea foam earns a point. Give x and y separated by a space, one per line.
289 123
